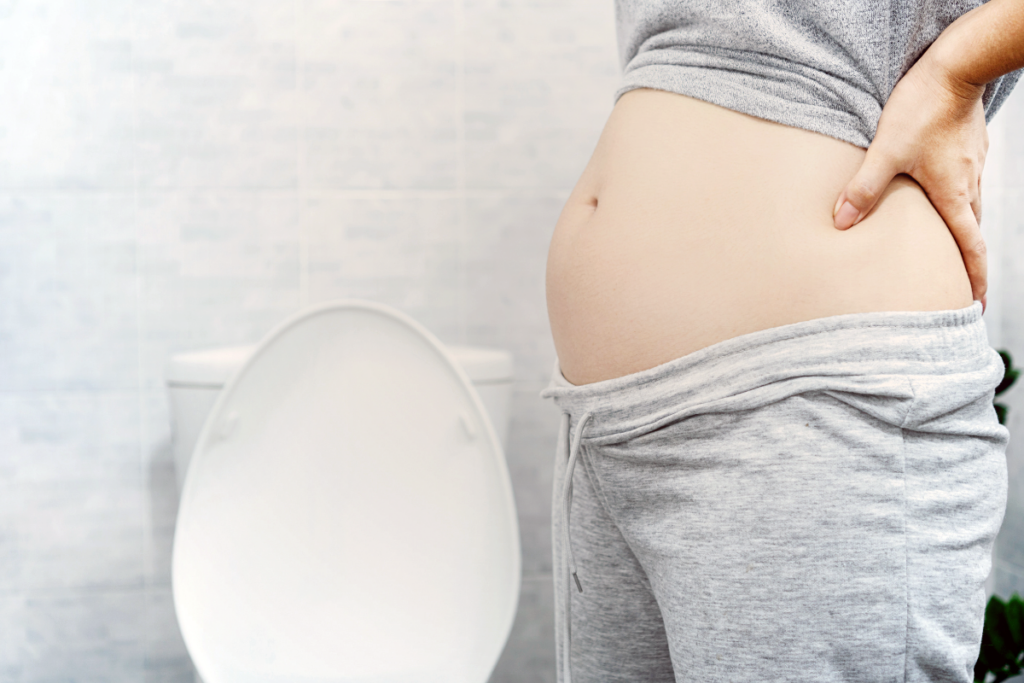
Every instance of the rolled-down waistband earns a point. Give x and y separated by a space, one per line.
739 373
897 342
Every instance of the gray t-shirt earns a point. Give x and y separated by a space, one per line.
823 65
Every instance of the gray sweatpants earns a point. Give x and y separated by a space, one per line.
812 502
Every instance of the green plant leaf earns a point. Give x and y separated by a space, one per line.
980 669
1015 623
1000 412
1010 373
993 660
1002 649
996 632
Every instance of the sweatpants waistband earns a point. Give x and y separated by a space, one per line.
876 343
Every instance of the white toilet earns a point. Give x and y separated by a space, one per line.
347 513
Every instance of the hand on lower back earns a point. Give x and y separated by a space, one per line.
932 129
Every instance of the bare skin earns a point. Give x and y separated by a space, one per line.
692 224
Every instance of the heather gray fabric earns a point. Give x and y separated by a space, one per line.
813 502
823 65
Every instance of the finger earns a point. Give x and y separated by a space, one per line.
964 227
862 193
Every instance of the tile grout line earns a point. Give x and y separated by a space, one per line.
147 534
460 164
300 141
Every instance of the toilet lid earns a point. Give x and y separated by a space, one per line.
347 514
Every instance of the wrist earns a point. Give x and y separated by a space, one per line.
980 46
943 62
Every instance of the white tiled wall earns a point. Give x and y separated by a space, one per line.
176 175
1003 226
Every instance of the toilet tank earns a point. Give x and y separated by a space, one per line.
195 378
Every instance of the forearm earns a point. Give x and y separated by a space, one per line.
983 44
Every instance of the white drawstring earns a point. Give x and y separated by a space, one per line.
574 446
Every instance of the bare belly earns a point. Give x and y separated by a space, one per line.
693 224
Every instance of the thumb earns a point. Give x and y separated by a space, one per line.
863 191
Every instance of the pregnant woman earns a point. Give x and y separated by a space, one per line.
778 457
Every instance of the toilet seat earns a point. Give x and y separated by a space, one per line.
347 514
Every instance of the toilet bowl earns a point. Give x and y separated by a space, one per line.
347 513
